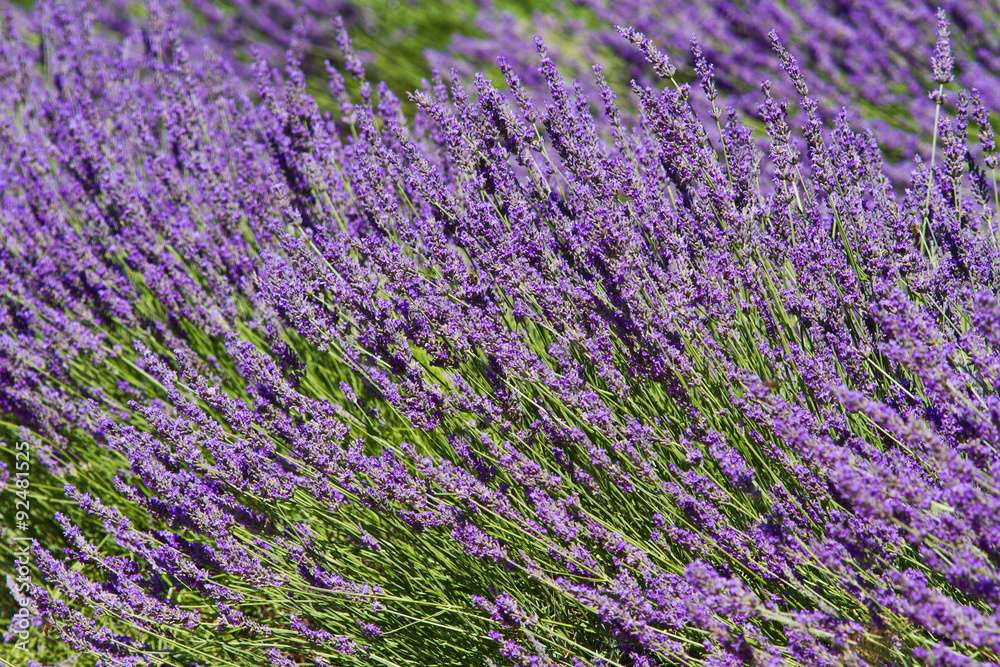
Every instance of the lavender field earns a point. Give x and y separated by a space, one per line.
577 333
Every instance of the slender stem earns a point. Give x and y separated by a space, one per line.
930 180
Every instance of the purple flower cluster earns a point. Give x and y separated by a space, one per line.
524 379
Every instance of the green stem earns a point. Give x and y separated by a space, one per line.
930 180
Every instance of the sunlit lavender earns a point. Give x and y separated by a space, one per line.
675 342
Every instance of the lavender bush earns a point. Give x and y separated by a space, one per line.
865 55
391 35
520 380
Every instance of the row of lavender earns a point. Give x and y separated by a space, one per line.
515 382
863 55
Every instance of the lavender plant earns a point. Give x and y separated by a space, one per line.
519 381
